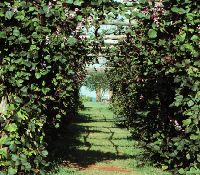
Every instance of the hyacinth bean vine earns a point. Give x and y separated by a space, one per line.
156 82
42 65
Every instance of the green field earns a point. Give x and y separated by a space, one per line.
93 144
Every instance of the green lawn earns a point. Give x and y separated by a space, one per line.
93 140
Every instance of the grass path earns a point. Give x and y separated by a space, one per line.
93 144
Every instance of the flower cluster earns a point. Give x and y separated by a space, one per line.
176 125
155 12
167 59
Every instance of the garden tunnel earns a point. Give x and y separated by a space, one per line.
152 48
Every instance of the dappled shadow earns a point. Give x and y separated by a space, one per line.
66 146
84 108
100 120
84 158
114 145
108 127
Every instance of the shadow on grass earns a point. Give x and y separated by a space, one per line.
65 146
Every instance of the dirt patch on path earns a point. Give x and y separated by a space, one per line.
107 168
98 168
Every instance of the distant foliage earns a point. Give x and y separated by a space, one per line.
156 82
86 99
96 79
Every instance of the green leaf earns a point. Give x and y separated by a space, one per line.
9 14
181 171
190 103
46 8
3 34
162 42
15 157
42 172
37 75
143 113
152 33
57 125
23 157
143 1
77 2
35 35
11 171
3 153
11 127
182 36
45 90
28 166
7 141
58 116
79 17
198 158
187 122
31 9
13 147
18 100
174 9
21 17
21 115
44 153
19 82
3 139
178 10
70 72
195 38
179 98
188 156
23 3
16 32
71 41
181 11
190 16
23 39
18 142
164 167
194 137
70 1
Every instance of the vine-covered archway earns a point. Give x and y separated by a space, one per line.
154 75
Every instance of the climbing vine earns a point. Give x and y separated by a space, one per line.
156 84
42 65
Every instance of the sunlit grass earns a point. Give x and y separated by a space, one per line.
94 139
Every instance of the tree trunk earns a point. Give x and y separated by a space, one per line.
110 93
98 94
3 104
